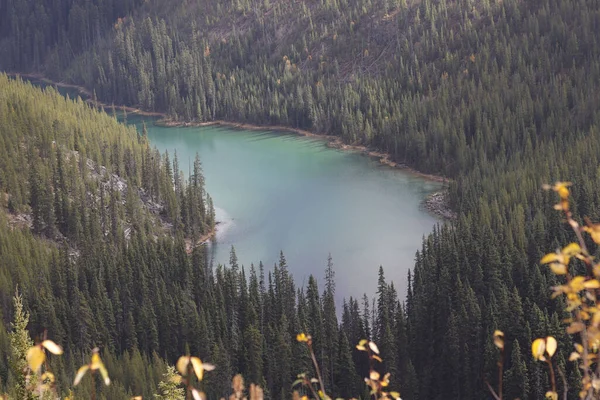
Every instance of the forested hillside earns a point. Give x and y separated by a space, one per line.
502 96
442 86
92 235
84 201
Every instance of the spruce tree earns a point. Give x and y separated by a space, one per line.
20 342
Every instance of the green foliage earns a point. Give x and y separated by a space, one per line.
399 77
168 389
20 343
500 95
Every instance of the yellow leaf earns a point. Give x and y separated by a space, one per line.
498 339
563 192
592 284
584 315
182 365
574 356
196 394
561 189
571 249
594 231
208 367
48 376
537 348
374 375
579 348
552 395
301 337
80 373
52 347
104 374
550 257
35 358
361 345
386 379
558 269
499 342
395 395
197 365
551 345
376 357
96 361
136 398
576 284
373 347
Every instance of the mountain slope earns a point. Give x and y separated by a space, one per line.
502 96
441 86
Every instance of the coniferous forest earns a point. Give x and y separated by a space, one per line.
97 231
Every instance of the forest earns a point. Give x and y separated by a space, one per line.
498 96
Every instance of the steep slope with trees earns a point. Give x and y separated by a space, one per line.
84 201
441 86
502 96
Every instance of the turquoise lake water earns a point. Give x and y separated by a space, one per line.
283 192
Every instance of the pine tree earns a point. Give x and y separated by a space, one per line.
168 389
516 381
330 328
20 343
345 375
253 353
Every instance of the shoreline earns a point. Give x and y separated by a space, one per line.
335 142
207 237
438 207
83 91
437 204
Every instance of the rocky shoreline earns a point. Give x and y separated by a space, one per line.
334 142
438 203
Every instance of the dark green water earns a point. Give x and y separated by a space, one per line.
286 192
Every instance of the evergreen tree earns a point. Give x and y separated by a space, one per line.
20 342
516 381
168 388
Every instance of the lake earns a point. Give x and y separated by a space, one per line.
284 192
